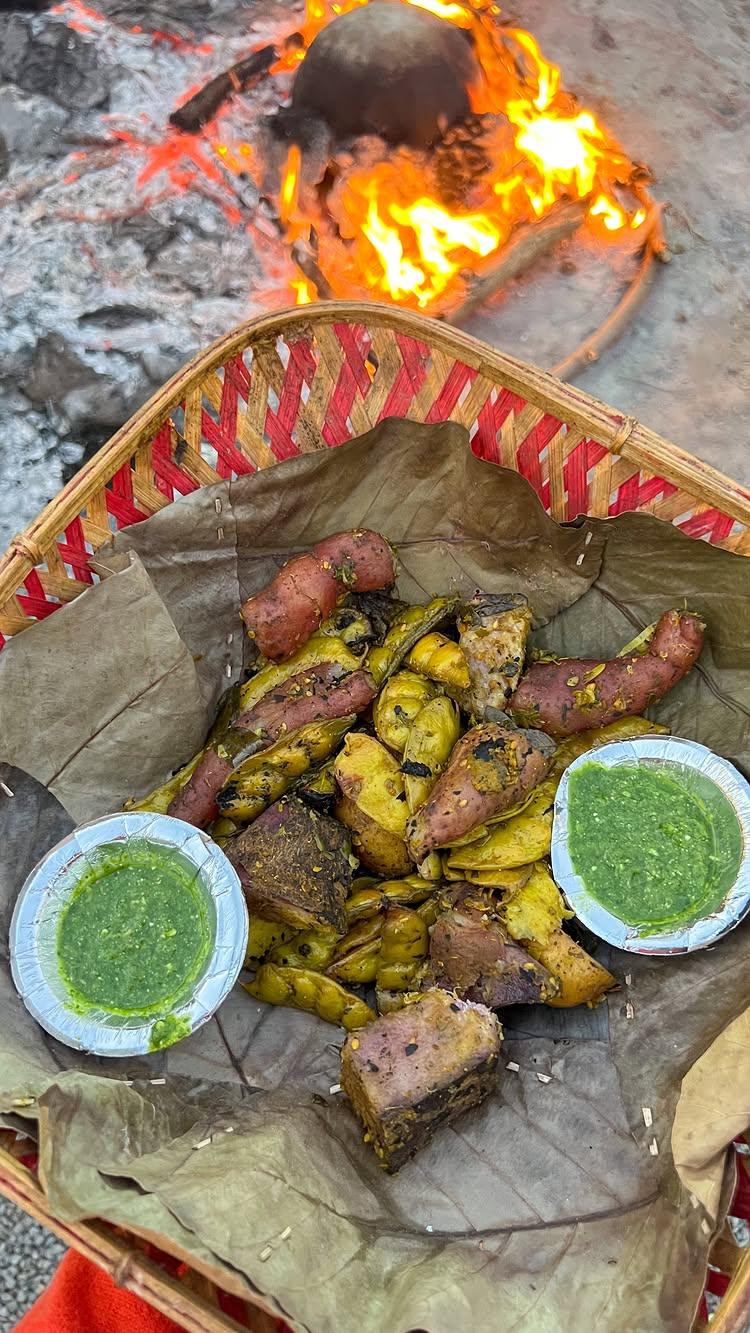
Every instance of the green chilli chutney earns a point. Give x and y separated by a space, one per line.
658 845
135 935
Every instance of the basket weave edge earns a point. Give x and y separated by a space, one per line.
620 434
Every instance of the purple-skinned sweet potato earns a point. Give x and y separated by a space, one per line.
283 615
324 691
492 767
577 693
417 1069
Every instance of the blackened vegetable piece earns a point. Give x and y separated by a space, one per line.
473 957
294 866
418 1068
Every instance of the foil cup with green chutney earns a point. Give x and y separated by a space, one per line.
619 874
128 934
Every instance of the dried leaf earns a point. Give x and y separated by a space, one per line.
543 1207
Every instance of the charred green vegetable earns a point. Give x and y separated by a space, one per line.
405 631
403 949
296 988
265 777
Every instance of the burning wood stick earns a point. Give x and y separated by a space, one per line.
309 268
655 247
240 78
522 251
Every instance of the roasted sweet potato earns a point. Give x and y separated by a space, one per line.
294 867
373 805
305 592
574 694
490 769
414 1070
493 638
472 956
320 649
321 692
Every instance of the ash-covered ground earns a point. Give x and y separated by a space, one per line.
108 285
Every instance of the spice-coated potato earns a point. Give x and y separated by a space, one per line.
397 705
429 746
407 628
265 777
441 660
534 910
373 805
582 980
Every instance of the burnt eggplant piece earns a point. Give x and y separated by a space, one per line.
471 956
294 866
417 1069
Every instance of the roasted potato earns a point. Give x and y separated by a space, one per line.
373 805
407 628
397 705
429 745
535 909
582 980
441 660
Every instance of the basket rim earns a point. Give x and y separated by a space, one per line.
616 431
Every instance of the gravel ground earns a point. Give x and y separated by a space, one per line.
29 1255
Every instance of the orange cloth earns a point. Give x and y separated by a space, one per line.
82 1298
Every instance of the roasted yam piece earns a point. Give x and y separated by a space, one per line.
493 638
576 693
472 956
491 768
294 866
415 1070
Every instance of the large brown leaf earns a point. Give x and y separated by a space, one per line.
552 1206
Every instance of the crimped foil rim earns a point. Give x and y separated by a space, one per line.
702 933
48 888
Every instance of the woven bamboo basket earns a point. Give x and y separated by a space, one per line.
306 379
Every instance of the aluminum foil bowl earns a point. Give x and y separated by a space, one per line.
33 937
670 752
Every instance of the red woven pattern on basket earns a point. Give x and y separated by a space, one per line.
278 398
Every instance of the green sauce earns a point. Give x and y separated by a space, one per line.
658 845
136 933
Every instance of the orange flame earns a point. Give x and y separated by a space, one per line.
400 238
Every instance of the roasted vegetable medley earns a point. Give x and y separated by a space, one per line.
383 782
